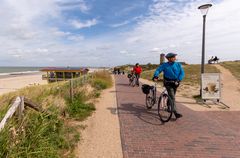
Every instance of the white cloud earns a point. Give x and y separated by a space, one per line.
121 24
125 11
79 24
133 39
180 30
75 38
157 50
124 52
73 4
29 36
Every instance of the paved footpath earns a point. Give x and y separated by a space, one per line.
196 135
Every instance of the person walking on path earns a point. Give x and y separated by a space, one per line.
173 73
137 70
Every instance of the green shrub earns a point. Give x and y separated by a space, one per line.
80 110
100 84
44 135
104 77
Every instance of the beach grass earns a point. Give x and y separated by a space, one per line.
233 67
49 134
192 74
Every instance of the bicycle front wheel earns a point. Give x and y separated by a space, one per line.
165 108
150 100
133 82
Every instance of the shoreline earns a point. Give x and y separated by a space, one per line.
13 81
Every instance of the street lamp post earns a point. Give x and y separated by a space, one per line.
204 10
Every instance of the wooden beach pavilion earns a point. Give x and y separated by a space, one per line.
55 74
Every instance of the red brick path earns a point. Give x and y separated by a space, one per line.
197 134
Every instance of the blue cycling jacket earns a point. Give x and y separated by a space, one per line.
172 71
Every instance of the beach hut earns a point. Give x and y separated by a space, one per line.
55 74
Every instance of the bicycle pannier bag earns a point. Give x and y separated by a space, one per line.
146 88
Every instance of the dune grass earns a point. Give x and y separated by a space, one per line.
192 74
233 67
49 134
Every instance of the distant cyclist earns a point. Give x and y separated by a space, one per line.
137 70
173 73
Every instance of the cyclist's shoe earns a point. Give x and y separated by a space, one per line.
177 115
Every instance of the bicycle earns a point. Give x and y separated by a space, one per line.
165 103
132 80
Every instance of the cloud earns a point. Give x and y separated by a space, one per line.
79 24
134 39
74 4
155 50
104 47
121 24
124 52
132 7
34 32
178 28
76 38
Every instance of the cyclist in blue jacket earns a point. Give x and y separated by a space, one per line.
173 73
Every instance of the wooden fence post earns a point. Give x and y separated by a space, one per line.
71 90
84 78
10 112
20 108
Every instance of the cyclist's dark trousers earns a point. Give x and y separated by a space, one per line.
137 78
172 92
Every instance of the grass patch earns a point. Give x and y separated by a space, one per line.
102 80
198 98
149 74
233 67
39 135
78 108
192 74
48 134
100 84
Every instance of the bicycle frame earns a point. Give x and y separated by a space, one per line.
131 79
155 92
163 102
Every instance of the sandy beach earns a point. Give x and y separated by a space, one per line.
9 83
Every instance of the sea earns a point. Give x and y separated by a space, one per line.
17 70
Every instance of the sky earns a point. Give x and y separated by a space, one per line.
115 32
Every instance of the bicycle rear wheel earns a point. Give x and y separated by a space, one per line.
165 108
150 100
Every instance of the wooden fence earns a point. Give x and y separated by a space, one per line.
18 107
20 102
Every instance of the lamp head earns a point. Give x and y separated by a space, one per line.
204 8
